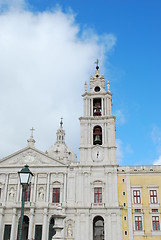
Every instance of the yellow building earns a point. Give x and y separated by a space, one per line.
139 194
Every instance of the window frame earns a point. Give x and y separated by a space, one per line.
153 199
56 184
158 221
57 192
98 184
138 213
138 222
135 198
98 195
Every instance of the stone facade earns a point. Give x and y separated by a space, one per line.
71 199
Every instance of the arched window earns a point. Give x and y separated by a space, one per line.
98 228
25 227
97 135
52 231
97 109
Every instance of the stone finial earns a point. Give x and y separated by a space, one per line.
108 85
31 141
61 123
85 87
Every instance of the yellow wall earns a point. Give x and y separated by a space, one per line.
122 200
145 181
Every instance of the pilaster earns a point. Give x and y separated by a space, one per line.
1 221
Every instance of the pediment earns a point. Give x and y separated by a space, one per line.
30 156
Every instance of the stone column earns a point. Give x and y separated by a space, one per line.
48 188
30 235
102 106
65 187
14 222
18 192
45 221
91 107
1 222
5 190
105 105
35 188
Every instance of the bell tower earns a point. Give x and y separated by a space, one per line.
97 126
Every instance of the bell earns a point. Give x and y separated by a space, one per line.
97 140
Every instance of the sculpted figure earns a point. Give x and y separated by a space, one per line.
69 231
11 194
41 194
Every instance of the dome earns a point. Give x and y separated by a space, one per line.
60 151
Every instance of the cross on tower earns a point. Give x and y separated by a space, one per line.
61 123
97 61
32 130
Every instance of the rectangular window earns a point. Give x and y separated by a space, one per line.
138 223
138 210
136 196
56 195
38 232
154 210
98 195
7 232
155 223
27 194
153 197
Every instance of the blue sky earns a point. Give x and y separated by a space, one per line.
131 59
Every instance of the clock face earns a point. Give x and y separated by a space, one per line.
97 154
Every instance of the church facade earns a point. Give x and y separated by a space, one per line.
92 199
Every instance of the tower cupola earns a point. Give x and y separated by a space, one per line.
60 133
60 150
97 142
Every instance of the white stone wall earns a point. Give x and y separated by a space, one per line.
76 184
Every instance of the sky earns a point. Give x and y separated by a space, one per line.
47 52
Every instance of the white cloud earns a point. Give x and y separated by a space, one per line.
12 4
157 161
44 64
119 153
129 149
156 135
156 138
120 119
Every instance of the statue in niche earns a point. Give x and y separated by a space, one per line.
11 194
41 194
69 231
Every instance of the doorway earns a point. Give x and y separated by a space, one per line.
25 227
98 228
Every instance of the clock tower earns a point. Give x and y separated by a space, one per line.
97 126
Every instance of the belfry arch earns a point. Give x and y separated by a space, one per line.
97 135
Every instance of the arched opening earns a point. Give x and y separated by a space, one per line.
52 231
97 135
98 228
97 109
25 227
